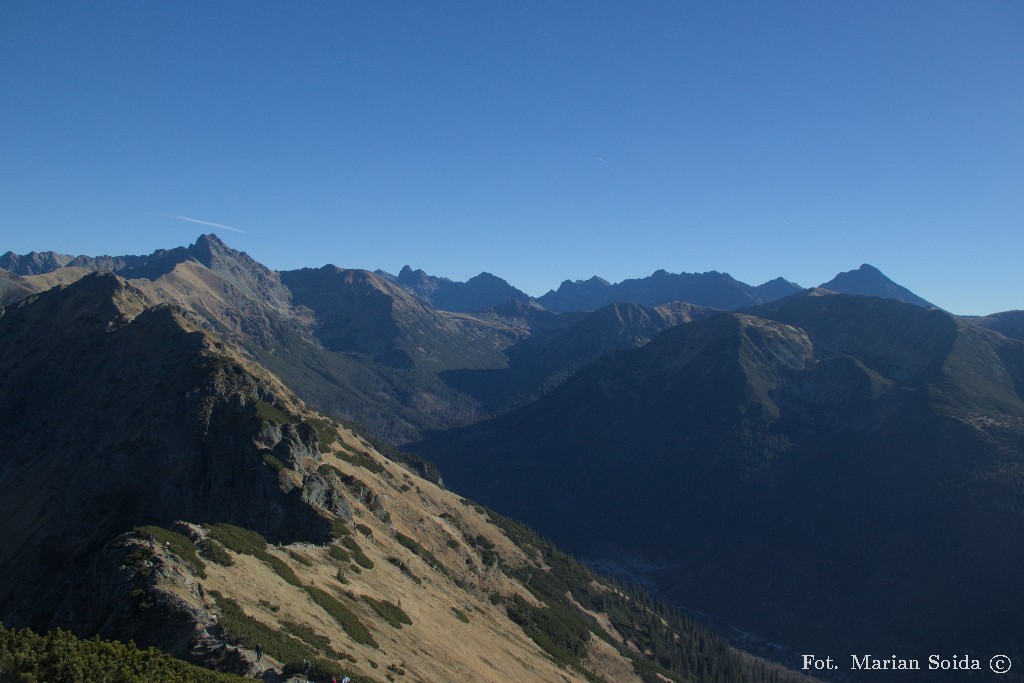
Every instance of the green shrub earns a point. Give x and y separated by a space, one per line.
272 414
364 530
327 470
273 463
339 553
357 553
391 613
300 558
343 615
404 568
558 630
460 615
281 569
247 632
362 459
310 637
215 552
246 542
59 656
242 541
326 434
413 545
339 529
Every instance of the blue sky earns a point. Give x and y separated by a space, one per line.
535 140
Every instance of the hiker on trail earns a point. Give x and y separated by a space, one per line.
307 666
259 651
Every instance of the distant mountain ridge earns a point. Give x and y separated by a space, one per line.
391 352
711 289
479 292
34 262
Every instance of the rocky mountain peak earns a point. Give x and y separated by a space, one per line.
870 281
34 262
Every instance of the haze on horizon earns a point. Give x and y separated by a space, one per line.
534 141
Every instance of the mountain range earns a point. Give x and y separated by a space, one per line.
796 463
711 289
859 455
158 485
383 350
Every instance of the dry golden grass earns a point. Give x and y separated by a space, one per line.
438 646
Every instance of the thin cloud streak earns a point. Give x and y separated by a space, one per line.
212 225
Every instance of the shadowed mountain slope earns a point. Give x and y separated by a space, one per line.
542 361
1009 323
808 470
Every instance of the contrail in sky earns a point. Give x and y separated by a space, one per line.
212 225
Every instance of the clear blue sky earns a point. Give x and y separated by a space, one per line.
535 140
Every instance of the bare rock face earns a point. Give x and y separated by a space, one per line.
326 493
298 447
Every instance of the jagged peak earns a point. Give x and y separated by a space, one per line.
484 276
210 246
592 280
211 240
780 281
870 281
